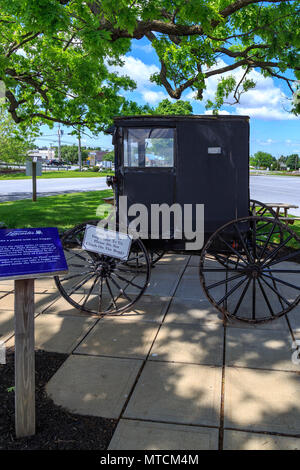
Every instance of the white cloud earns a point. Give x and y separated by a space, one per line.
265 112
222 111
265 101
153 97
137 70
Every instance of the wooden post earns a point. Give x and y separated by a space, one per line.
34 181
24 358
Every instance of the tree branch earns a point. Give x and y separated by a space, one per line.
27 38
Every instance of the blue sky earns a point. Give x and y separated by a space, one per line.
272 128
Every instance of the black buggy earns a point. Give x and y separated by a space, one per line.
249 263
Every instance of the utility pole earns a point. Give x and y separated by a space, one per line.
79 150
59 150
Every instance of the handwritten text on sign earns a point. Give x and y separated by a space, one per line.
106 242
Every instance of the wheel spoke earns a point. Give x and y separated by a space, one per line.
86 279
100 294
274 252
253 299
282 282
78 255
219 283
241 298
231 291
110 293
84 274
250 258
276 292
80 265
90 291
284 258
267 241
293 271
260 227
265 297
120 289
127 280
253 266
254 240
232 249
223 260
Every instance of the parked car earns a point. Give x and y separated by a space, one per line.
55 163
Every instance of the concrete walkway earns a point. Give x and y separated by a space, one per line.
169 371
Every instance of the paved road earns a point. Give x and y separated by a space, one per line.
284 189
10 190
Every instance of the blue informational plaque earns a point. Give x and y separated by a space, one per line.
31 252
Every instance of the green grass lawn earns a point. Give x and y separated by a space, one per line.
57 174
63 211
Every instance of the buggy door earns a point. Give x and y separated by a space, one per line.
147 166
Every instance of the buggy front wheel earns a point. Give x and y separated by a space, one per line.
98 284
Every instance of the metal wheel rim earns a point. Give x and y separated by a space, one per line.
223 308
114 281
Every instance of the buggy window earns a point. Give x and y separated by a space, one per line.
149 147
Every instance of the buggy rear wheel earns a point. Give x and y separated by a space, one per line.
99 284
259 209
138 261
250 271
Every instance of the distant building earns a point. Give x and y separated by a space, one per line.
96 156
44 154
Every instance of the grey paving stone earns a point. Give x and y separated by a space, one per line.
190 344
148 308
5 289
177 393
194 261
259 349
262 400
189 286
59 334
279 324
170 258
141 435
192 311
61 307
237 440
41 301
119 338
294 318
95 386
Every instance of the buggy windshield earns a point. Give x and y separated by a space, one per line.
152 147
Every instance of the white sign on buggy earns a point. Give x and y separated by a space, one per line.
106 242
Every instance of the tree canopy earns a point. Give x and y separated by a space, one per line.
178 107
56 56
293 161
14 145
262 159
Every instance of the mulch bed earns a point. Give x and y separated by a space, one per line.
57 429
